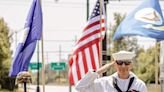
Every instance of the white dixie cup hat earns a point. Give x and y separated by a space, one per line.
123 55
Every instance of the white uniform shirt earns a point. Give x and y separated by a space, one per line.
90 83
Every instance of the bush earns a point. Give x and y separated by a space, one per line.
8 83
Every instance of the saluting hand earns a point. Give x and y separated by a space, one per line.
105 67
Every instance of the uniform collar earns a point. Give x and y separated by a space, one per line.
131 75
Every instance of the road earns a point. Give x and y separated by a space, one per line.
51 88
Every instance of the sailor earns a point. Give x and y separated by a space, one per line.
123 80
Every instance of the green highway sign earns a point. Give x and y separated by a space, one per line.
58 66
34 66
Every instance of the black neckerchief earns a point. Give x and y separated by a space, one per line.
118 89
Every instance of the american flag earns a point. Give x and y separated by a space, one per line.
86 54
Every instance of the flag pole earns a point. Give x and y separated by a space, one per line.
43 65
100 49
87 9
162 66
156 64
38 88
25 87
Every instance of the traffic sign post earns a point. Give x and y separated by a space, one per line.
34 66
58 66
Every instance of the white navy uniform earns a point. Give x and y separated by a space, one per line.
90 83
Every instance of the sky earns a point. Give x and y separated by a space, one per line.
63 21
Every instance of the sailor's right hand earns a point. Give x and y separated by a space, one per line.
105 67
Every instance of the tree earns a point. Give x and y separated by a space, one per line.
145 64
5 56
124 43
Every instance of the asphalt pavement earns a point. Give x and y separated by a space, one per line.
51 88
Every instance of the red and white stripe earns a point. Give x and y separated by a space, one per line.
86 53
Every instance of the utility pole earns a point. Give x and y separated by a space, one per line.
70 87
59 60
16 39
60 52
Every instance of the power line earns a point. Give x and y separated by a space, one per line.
47 3
53 30
73 4
55 40
57 51
22 2
59 40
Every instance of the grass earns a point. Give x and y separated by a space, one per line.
153 88
4 90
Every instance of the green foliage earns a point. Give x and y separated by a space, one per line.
51 76
119 44
145 64
124 43
5 56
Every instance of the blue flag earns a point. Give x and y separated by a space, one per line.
146 20
31 33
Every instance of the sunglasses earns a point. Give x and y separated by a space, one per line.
126 62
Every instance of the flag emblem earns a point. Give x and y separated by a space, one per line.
152 17
149 15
